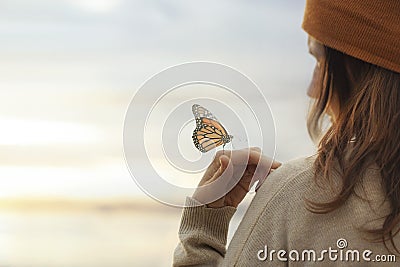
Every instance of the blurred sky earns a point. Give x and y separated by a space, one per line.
69 69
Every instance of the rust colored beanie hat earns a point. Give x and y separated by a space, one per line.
365 29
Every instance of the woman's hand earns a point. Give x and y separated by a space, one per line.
245 162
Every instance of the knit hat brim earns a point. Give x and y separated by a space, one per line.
365 29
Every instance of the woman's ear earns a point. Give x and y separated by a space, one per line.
316 82
317 50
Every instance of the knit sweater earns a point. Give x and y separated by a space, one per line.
278 230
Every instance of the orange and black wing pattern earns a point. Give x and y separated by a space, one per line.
209 132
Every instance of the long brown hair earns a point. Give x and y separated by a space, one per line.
366 129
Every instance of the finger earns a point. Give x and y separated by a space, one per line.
256 158
256 148
251 169
276 164
244 156
255 155
264 167
247 176
220 171
225 168
215 187
224 161
250 156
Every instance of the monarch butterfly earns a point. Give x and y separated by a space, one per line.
209 132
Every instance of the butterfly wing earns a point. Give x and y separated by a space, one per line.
208 134
201 112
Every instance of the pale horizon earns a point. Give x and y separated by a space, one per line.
70 69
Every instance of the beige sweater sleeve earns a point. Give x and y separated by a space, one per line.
202 233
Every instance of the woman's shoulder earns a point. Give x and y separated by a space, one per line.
284 188
298 165
296 171
293 182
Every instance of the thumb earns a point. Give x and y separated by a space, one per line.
224 161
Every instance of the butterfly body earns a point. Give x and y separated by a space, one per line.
209 132
227 139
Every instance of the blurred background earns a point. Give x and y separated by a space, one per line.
68 71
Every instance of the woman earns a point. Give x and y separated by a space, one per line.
343 204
